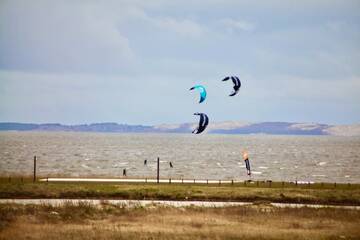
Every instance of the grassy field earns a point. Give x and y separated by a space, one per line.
116 222
256 221
341 194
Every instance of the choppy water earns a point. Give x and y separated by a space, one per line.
307 158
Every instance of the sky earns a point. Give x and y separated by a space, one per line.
134 61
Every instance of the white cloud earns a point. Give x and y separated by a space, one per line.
336 25
341 90
186 27
237 25
165 23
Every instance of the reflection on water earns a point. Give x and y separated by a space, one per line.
313 158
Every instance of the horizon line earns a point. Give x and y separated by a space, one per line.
149 125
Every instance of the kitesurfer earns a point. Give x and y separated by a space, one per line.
247 162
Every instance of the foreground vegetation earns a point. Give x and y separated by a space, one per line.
86 221
341 194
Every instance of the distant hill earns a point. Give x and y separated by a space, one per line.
230 127
274 128
95 127
344 130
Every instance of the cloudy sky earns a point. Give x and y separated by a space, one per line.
134 61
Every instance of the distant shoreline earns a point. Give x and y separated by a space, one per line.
231 128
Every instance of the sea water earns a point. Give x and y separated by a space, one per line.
205 156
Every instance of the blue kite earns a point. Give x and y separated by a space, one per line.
202 91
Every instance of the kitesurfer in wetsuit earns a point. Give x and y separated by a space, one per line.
247 163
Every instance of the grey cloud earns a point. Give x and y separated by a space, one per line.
61 37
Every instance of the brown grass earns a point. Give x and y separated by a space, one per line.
115 222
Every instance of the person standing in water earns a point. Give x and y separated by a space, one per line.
247 163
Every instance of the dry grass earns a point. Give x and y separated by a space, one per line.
116 222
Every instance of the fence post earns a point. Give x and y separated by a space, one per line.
182 180
219 182
169 180
232 182
34 178
158 169
335 184
207 181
